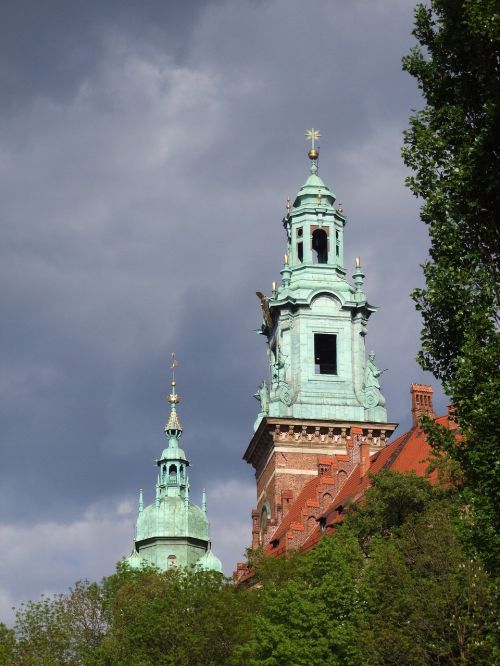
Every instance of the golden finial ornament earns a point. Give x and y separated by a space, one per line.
339 208
358 262
285 259
319 197
173 398
288 205
313 135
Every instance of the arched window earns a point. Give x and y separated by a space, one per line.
171 561
172 474
181 471
326 499
311 523
320 246
300 246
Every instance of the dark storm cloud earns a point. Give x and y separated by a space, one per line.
47 47
146 151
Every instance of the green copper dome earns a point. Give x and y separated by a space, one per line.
171 518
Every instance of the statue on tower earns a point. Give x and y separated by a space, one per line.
262 395
372 397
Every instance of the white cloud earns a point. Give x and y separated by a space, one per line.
229 506
48 557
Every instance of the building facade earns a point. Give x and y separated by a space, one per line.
172 530
308 518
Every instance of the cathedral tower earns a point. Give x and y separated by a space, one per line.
323 397
172 531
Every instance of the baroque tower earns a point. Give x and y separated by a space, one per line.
322 404
172 531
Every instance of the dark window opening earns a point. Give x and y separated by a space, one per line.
172 474
300 252
320 246
299 233
337 235
337 251
325 354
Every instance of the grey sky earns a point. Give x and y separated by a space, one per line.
146 152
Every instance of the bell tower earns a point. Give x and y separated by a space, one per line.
321 384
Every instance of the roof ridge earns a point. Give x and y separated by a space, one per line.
390 460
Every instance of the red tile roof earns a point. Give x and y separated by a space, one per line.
409 452
294 515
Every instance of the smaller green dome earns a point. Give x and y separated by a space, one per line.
209 562
310 189
173 453
134 561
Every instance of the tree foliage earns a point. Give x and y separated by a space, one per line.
393 585
305 618
63 630
452 147
391 500
181 617
425 601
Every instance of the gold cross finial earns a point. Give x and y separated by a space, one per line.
173 365
173 398
312 135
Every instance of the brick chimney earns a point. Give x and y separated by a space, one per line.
364 449
421 401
